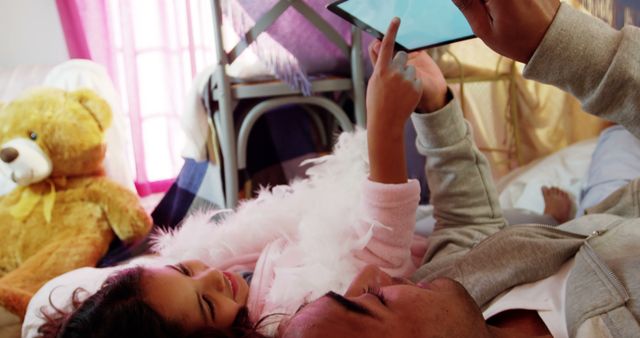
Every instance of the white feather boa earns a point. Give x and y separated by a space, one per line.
318 217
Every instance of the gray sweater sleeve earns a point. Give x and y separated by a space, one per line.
463 194
594 62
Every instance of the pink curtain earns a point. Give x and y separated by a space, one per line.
73 29
152 49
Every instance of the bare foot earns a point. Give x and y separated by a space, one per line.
557 204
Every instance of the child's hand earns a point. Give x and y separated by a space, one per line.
393 91
434 86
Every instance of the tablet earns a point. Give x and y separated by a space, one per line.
424 23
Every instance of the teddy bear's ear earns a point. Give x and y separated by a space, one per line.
96 106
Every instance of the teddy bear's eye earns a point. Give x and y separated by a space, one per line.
33 135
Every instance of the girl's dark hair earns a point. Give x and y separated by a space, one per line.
119 310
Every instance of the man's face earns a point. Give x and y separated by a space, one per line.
375 305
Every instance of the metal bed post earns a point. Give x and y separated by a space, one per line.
225 110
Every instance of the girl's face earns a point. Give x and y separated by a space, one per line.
194 295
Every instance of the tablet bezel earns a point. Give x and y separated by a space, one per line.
333 7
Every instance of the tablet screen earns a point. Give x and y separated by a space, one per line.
425 23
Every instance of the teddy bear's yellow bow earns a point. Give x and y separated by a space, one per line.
30 198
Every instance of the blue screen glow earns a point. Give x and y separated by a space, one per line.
424 22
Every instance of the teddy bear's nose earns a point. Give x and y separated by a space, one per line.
8 154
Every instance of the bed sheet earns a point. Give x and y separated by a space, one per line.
520 189
565 169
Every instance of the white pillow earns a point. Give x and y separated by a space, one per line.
59 290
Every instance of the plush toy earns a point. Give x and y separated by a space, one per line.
64 212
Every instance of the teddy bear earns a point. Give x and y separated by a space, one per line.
64 212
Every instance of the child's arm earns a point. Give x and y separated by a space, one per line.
392 95
390 200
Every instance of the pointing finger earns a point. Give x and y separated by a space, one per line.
388 42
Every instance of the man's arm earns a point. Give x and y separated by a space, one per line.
463 194
596 63
568 49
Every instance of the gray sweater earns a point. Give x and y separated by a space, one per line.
471 242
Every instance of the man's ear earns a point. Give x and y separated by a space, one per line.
95 105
